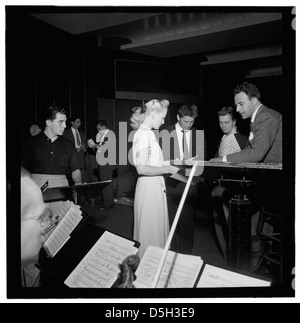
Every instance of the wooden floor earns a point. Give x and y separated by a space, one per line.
119 220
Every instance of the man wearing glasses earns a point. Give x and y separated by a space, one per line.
33 212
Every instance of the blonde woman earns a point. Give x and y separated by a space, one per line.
151 221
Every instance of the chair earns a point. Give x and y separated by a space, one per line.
269 229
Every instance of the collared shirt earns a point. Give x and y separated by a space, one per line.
77 144
180 139
103 136
42 156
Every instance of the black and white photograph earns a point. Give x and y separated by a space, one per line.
150 154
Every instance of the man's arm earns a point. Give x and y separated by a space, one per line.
76 176
256 151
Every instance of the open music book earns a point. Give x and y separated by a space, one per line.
100 266
187 271
58 232
185 168
218 277
229 145
178 271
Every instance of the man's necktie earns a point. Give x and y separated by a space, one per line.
251 127
78 141
185 146
251 135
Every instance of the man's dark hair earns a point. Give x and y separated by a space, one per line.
102 123
52 111
189 110
248 88
72 119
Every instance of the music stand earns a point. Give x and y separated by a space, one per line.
63 193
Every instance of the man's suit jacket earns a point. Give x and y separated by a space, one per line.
175 188
174 145
68 134
266 144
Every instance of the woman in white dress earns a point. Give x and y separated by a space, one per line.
151 221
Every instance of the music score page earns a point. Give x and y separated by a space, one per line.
100 267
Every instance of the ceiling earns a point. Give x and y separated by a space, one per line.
219 37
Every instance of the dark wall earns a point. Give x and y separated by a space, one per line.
220 80
48 66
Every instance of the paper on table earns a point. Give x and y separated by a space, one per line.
100 266
62 232
217 277
182 175
179 271
229 145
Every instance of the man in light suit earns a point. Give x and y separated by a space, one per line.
265 146
183 240
77 137
105 147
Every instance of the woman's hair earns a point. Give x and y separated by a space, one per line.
140 113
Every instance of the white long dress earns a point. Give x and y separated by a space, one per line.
151 221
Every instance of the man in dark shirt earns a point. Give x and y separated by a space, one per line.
50 157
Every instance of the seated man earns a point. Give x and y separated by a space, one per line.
32 211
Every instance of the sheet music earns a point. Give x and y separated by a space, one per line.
62 232
217 277
179 176
229 145
179 271
183 177
100 267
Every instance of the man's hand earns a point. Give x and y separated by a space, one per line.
82 147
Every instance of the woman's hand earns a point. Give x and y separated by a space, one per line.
173 169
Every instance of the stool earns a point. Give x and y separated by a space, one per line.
269 230
239 223
239 250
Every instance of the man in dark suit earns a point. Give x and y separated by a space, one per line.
183 146
77 137
265 145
